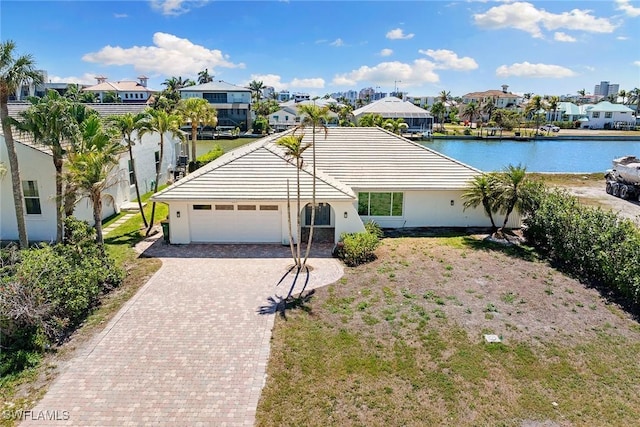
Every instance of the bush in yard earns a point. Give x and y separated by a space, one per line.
597 246
358 248
45 291
207 157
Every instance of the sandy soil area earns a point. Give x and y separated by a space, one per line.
595 194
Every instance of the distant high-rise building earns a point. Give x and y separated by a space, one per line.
605 89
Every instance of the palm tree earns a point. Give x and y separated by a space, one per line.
481 191
314 116
256 90
176 83
13 73
90 165
488 108
198 112
634 98
533 109
553 106
444 97
293 149
512 192
111 97
51 121
623 94
161 122
439 110
471 110
127 124
204 77
73 92
370 120
395 125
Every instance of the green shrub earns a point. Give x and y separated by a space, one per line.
358 248
207 157
467 131
46 291
596 246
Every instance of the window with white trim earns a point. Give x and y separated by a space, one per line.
380 204
31 197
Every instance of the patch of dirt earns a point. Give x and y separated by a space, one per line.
485 288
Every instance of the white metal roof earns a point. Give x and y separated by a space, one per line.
391 107
258 171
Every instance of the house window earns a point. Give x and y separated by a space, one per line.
201 207
380 204
268 207
132 175
608 115
126 96
595 114
31 197
215 98
323 214
246 207
157 155
224 207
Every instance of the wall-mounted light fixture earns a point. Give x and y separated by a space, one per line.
346 214
178 213
452 203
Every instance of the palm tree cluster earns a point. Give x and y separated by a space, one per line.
501 192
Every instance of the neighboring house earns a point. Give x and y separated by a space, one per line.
362 174
606 115
127 91
232 102
38 177
425 102
501 98
566 112
288 115
418 119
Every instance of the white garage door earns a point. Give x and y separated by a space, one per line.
242 223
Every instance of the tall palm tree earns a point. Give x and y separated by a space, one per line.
439 110
533 109
634 98
127 124
553 106
256 90
204 77
161 122
293 149
623 94
444 97
15 71
175 83
488 107
51 121
316 117
481 191
90 165
198 112
471 110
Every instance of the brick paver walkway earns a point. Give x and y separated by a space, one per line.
189 349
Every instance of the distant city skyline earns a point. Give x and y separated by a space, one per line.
419 48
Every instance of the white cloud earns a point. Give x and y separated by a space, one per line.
170 55
419 72
622 38
636 63
398 34
315 83
563 37
625 6
85 79
449 60
120 15
337 42
526 17
175 7
526 69
386 52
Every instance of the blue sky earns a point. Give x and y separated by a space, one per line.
423 47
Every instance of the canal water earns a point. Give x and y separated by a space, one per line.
542 155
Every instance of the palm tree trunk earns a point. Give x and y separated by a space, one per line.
155 186
16 183
293 252
97 217
194 137
57 161
135 182
298 165
313 200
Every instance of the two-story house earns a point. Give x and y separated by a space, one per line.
232 102
501 98
128 92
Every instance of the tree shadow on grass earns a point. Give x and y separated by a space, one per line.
293 301
129 239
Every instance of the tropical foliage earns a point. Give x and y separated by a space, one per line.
14 71
204 77
370 120
197 112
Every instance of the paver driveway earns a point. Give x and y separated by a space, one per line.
189 349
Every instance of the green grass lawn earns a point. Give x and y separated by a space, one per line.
400 342
205 146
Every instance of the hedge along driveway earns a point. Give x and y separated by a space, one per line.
191 347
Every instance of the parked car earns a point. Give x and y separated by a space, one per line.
549 127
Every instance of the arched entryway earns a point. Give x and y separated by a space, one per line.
325 220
